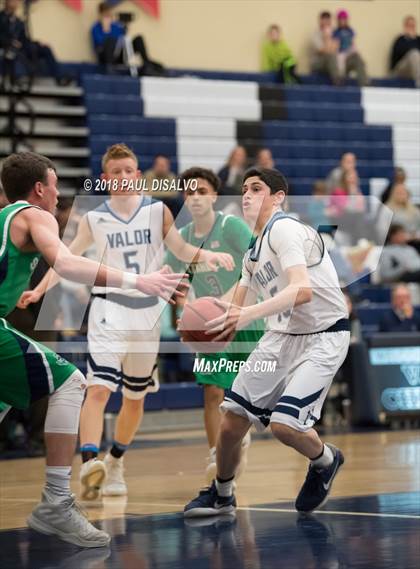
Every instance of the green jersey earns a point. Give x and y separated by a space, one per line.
16 267
28 370
229 234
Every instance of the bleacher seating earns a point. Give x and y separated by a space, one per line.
196 120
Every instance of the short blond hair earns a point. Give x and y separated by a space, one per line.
117 152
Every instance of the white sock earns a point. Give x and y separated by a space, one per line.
212 453
58 480
325 459
224 489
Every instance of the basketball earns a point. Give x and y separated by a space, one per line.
194 318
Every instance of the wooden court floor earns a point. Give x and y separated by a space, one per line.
169 470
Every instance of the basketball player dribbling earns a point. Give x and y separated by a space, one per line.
307 338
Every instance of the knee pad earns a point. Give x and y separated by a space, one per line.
64 406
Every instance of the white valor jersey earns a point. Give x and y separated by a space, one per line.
285 242
133 245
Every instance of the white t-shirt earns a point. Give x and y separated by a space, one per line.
284 243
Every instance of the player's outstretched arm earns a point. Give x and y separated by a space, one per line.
80 244
188 253
43 230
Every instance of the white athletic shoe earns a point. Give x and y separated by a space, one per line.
92 476
64 518
115 484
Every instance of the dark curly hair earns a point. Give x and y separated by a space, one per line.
204 173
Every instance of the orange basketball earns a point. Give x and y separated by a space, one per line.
194 317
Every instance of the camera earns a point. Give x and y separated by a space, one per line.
125 18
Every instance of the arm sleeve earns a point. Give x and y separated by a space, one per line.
246 276
265 58
287 240
97 35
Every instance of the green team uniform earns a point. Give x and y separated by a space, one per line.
28 370
229 234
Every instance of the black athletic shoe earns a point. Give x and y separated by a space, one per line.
209 503
317 486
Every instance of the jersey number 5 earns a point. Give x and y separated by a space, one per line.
132 265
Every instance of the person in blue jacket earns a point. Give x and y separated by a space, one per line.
108 42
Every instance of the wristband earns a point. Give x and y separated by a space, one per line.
129 281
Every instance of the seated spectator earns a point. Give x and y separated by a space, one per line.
232 173
405 214
399 177
159 177
349 59
347 162
405 54
277 56
400 262
108 39
15 41
317 212
348 208
324 49
264 159
402 317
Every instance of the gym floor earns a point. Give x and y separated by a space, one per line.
372 519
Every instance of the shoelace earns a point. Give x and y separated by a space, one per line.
81 520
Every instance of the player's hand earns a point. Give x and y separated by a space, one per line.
163 283
234 319
215 260
28 297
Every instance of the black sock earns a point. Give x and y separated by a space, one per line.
88 452
118 449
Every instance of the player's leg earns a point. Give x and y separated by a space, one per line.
218 498
318 357
213 397
93 471
57 513
139 377
29 372
104 377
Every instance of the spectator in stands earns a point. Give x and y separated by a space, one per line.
159 177
405 214
405 54
16 43
347 163
232 173
318 211
349 59
264 159
348 207
402 317
108 39
400 262
277 56
324 49
399 177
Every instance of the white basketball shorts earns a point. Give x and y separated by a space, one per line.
286 379
120 357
